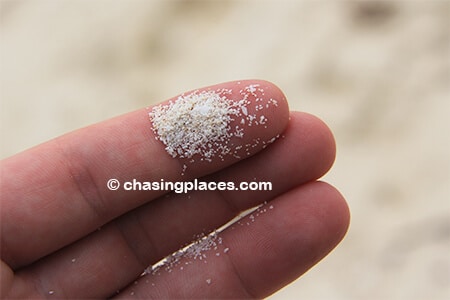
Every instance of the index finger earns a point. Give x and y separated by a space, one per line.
57 192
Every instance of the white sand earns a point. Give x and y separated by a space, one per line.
379 76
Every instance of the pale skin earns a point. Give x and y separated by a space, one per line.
65 235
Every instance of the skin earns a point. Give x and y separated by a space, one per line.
65 235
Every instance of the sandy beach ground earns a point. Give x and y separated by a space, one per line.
376 72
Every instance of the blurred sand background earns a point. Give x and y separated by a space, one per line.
376 72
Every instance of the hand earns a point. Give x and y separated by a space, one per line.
64 234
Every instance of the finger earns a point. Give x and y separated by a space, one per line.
159 228
264 252
58 192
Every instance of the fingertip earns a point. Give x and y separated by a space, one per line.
332 211
313 136
266 98
221 123
293 233
315 212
